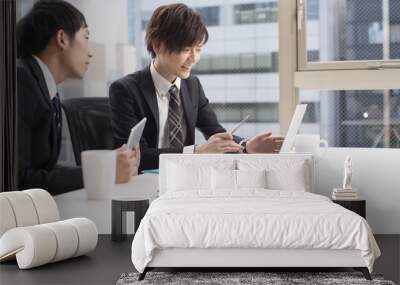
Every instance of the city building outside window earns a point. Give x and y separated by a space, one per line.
263 12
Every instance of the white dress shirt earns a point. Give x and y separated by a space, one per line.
162 87
48 77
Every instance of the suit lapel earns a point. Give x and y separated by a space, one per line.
187 106
38 74
149 92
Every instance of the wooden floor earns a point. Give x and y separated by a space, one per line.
110 260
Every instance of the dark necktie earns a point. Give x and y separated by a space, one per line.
175 118
57 117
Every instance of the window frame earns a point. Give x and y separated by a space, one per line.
332 76
305 65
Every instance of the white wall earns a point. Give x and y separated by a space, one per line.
376 174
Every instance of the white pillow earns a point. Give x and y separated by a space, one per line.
223 179
290 177
237 179
251 178
181 178
282 173
191 176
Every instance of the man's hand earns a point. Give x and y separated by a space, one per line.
127 163
219 143
264 143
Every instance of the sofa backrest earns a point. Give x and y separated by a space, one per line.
284 168
26 208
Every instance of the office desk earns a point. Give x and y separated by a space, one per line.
74 204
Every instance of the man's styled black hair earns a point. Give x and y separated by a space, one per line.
42 22
176 26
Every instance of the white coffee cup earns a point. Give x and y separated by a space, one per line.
310 144
99 168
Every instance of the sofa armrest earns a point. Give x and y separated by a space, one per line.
40 244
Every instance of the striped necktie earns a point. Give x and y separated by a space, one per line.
175 118
57 117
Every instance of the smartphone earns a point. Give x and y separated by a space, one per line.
136 133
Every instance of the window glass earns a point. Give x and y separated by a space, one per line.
360 118
210 15
235 63
263 12
344 30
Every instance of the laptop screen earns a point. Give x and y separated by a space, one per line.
293 128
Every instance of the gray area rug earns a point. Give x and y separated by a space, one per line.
269 278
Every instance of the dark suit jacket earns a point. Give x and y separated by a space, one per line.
134 97
38 149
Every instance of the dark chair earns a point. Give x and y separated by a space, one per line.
89 124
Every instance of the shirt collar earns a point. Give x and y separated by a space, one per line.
161 84
48 77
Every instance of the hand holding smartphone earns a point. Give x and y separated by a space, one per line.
136 133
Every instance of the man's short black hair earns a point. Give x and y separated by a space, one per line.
42 22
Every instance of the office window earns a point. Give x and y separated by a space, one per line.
145 18
144 23
217 64
266 12
232 63
210 15
235 112
395 36
313 55
236 63
260 112
312 9
356 118
353 59
349 34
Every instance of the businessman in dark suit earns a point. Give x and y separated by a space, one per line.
173 101
52 46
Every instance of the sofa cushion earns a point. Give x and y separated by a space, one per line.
7 215
31 233
40 244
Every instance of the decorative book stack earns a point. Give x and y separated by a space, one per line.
344 194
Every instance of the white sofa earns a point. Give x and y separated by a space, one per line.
31 231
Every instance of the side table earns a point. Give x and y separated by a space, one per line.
136 200
118 216
357 206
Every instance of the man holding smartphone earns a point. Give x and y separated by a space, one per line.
52 41
173 101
